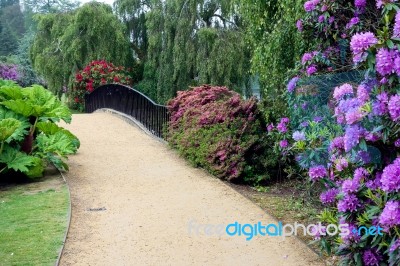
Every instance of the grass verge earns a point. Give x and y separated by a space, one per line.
33 222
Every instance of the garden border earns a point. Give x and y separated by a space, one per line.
68 222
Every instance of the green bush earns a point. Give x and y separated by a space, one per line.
214 128
29 137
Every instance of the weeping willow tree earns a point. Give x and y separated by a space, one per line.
275 46
186 42
66 42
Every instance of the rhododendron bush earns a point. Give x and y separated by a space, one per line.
216 129
353 149
97 73
9 72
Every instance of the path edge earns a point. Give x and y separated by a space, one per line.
68 220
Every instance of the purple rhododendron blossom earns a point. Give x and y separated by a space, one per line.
360 42
396 27
360 3
311 70
270 127
353 116
362 93
379 107
292 84
283 143
381 3
299 25
394 107
352 22
337 143
395 246
390 180
352 136
371 257
341 164
318 119
350 186
306 57
9 72
317 172
390 215
310 5
329 196
385 61
363 156
341 91
318 231
360 173
349 203
299 136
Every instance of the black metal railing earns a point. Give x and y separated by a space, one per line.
130 102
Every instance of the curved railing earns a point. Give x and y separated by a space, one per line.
130 102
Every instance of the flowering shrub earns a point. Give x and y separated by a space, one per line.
97 73
9 72
358 159
215 129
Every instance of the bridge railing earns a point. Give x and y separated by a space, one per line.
130 102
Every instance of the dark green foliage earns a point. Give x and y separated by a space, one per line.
66 42
184 43
276 46
11 27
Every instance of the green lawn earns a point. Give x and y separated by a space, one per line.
33 221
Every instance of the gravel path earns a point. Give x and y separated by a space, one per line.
135 202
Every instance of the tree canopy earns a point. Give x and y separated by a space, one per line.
184 43
66 42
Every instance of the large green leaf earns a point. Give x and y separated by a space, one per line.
16 160
11 93
20 133
49 128
20 107
59 143
36 169
8 127
38 102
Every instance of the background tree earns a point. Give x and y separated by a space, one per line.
50 6
66 42
275 46
182 43
11 26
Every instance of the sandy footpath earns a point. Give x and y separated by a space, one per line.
136 202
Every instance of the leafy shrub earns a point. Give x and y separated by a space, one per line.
355 156
29 137
97 73
215 129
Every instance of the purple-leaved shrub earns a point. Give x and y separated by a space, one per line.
216 129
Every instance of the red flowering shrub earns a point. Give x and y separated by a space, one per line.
95 74
216 129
